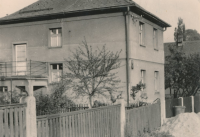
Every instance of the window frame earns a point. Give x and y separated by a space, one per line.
142 34
143 76
57 69
57 35
155 39
4 89
156 81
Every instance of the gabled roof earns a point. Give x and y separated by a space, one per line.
188 47
44 8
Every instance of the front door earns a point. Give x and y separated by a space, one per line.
20 59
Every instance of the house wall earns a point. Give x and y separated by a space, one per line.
148 59
98 30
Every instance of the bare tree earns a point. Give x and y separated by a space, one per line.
92 72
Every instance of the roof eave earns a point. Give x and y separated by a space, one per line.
45 16
153 17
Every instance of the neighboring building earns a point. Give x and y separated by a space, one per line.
188 47
35 40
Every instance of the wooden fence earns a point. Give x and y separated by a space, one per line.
12 120
96 122
187 102
169 106
142 119
197 103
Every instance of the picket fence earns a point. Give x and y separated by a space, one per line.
96 122
99 122
139 120
12 120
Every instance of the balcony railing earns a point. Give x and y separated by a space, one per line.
27 68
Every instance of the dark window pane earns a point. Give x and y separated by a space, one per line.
60 66
54 66
3 88
60 31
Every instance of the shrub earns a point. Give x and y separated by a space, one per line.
98 104
51 104
6 97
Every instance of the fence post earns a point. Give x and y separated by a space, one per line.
181 100
1 123
192 98
122 117
31 125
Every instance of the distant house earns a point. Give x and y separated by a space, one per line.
35 40
188 47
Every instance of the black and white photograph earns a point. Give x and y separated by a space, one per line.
99 68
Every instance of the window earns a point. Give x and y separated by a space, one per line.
141 34
55 37
56 72
143 77
3 88
20 58
155 39
156 81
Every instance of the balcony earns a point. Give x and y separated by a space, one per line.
23 69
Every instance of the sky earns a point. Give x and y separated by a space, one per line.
167 10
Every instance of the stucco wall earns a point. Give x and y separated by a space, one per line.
98 30
108 30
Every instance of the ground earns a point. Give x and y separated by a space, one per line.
183 125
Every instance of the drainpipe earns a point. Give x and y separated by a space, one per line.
127 23
11 91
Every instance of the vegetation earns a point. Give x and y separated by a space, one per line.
180 30
148 133
136 89
92 72
45 104
192 35
187 35
50 104
182 73
5 97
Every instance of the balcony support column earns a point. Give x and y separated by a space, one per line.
30 87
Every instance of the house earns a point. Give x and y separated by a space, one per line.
35 40
187 47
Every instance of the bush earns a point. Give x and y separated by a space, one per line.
51 104
6 97
98 104
47 104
